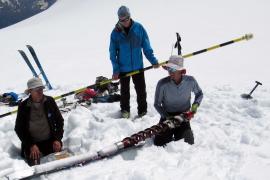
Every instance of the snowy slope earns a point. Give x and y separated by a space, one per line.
71 40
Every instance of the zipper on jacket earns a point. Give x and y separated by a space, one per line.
131 59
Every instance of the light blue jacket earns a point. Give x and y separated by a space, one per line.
126 49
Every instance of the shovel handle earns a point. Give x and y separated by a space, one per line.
259 83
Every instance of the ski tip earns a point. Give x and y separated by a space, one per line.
248 36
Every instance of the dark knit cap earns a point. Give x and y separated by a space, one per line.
123 11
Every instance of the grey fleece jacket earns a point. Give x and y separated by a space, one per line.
171 98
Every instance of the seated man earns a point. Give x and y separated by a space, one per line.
172 97
39 124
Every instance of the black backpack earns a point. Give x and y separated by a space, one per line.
110 87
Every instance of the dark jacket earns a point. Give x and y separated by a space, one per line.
55 120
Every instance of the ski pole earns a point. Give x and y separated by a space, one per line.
248 96
177 44
245 37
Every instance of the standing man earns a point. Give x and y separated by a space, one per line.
39 124
128 38
173 96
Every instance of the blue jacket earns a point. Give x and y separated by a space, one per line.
126 50
13 95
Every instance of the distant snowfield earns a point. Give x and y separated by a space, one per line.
231 134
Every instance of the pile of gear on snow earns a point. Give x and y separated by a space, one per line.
105 93
10 98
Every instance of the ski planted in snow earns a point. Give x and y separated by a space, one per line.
33 53
28 63
76 161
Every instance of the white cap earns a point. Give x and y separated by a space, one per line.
34 83
175 62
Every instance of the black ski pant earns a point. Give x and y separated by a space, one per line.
45 147
140 88
182 132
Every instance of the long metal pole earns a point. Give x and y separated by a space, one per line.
245 37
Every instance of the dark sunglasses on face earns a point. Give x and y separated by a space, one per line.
124 20
37 89
171 70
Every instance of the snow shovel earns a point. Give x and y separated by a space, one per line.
248 96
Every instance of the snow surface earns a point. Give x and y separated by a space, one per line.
71 39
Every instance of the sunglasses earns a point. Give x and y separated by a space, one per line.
124 20
37 89
171 70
